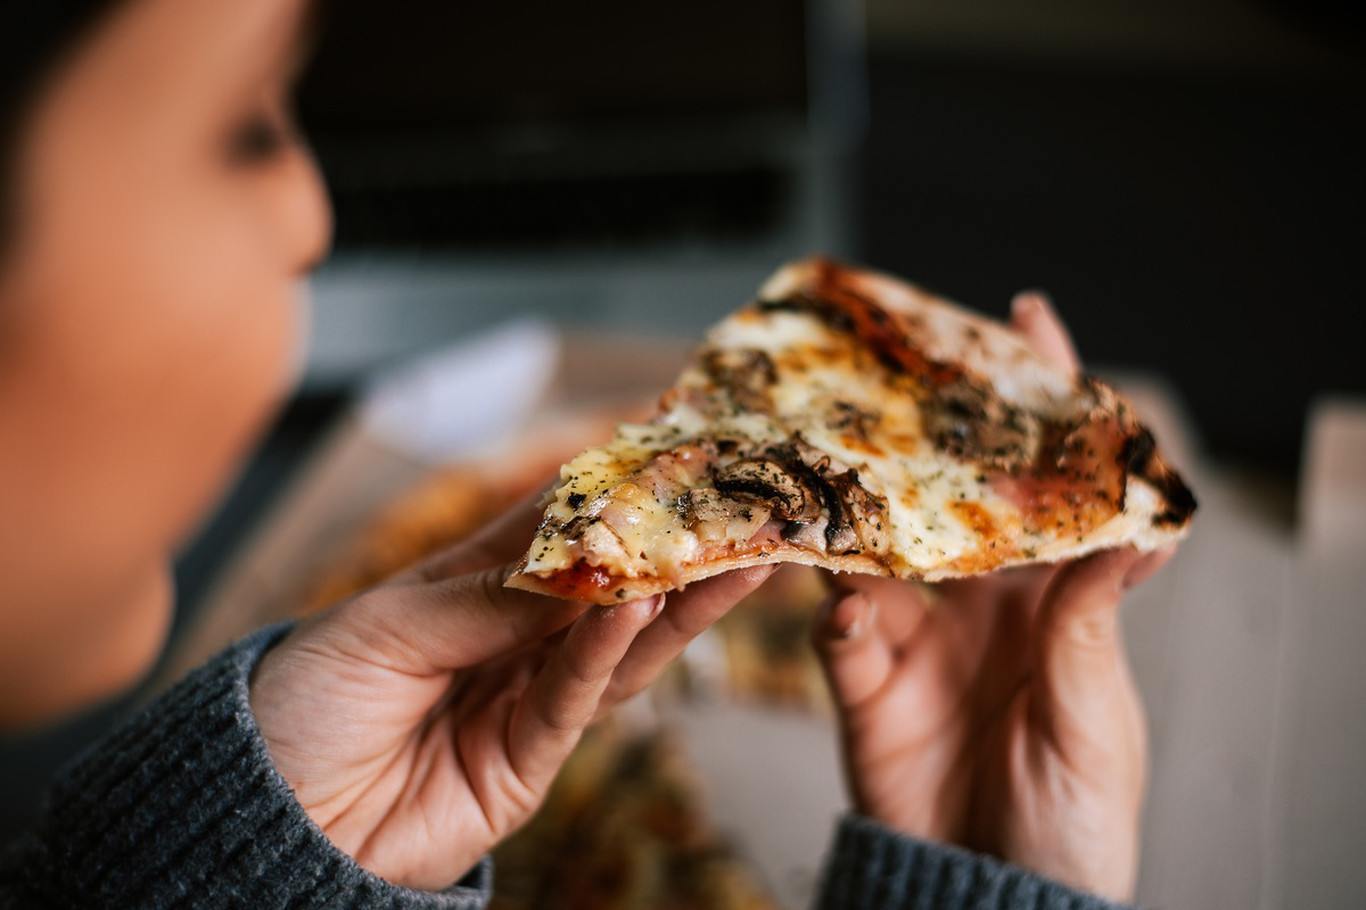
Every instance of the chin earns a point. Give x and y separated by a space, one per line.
119 647
137 642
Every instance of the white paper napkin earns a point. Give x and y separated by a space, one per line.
465 399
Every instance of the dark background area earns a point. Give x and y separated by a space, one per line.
1184 177
504 128
435 68
1198 223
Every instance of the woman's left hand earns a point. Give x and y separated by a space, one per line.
998 712
421 722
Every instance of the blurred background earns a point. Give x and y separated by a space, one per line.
1185 177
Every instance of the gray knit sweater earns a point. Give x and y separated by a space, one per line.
181 807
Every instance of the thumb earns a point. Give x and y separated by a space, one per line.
856 658
1080 652
1033 316
433 627
1086 690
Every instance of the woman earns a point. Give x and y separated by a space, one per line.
161 216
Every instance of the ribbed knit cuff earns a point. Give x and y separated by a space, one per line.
872 866
182 807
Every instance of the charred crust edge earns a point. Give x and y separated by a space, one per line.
804 302
883 333
1143 461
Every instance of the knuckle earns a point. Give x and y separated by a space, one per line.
562 717
583 671
1095 630
489 586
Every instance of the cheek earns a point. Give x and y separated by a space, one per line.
163 352
204 355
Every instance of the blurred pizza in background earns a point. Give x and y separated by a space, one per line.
438 512
624 828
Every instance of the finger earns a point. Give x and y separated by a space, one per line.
907 602
856 657
1033 316
1148 566
462 621
563 697
686 615
1080 651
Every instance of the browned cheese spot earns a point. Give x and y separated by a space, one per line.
994 546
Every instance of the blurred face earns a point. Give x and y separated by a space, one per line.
150 320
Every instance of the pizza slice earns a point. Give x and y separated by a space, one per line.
853 422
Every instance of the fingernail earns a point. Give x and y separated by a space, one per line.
851 616
1033 302
1025 303
651 608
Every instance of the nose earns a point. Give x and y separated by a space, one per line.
305 214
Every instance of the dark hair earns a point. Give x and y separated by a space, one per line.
36 35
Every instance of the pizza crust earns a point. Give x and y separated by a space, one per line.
1132 528
628 589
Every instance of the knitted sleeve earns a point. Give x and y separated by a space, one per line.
871 866
182 807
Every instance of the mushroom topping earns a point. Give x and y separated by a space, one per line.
712 515
863 515
776 486
840 536
972 421
590 534
857 422
745 373
827 506
807 536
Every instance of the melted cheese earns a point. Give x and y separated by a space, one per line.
817 368
646 538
